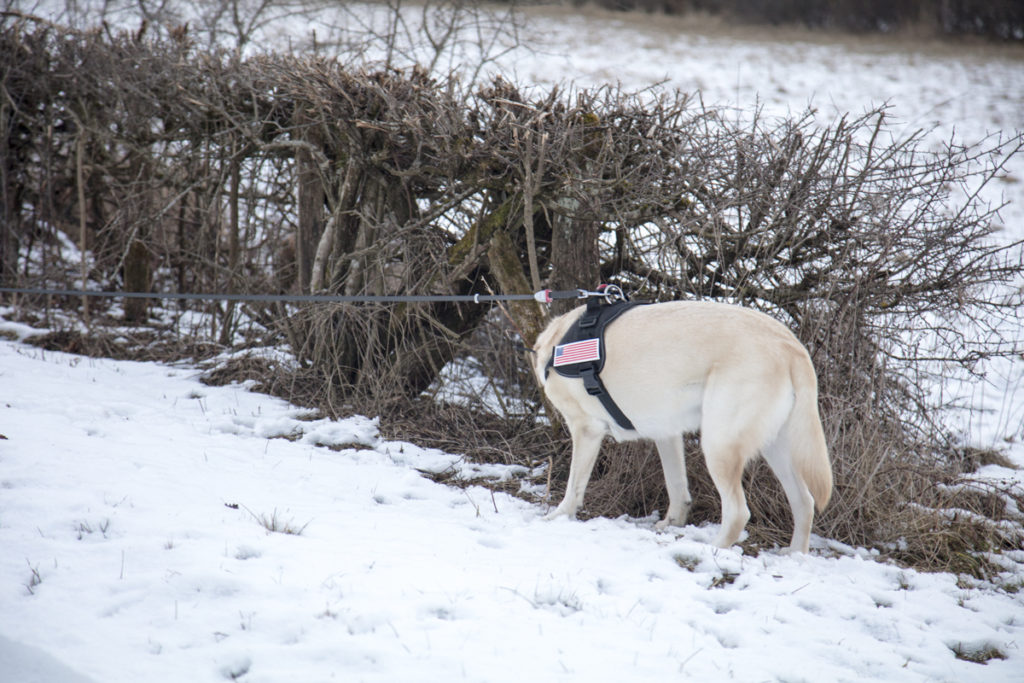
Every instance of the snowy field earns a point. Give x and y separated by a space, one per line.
135 501
133 510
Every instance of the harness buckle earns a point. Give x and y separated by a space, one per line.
590 381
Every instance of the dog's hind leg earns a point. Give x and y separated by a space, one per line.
725 465
780 458
743 411
586 443
732 430
673 462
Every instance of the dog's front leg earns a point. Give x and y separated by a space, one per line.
673 463
586 443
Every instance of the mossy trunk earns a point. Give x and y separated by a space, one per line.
507 268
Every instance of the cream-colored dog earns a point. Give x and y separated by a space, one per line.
736 375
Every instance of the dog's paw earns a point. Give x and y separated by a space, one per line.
663 524
793 551
559 512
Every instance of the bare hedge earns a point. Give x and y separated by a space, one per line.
187 170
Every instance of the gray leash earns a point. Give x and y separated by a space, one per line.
610 293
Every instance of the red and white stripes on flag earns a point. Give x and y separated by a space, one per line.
577 352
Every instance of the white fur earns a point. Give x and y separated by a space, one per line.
736 375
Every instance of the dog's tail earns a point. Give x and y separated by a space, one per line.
806 436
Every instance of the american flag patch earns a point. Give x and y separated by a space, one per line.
577 352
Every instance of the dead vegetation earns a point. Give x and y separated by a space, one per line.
133 163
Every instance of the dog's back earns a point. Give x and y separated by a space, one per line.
659 357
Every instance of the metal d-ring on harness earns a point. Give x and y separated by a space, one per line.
580 352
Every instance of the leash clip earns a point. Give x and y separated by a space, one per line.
610 293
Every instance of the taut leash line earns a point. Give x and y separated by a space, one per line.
543 296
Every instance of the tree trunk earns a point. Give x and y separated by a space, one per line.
575 261
9 218
311 202
507 269
137 276
234 249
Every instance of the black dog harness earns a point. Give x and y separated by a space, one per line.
581 354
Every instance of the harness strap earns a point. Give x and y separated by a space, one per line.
595 387
591 324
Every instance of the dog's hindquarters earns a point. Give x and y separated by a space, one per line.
768 407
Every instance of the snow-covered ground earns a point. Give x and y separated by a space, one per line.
134 502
